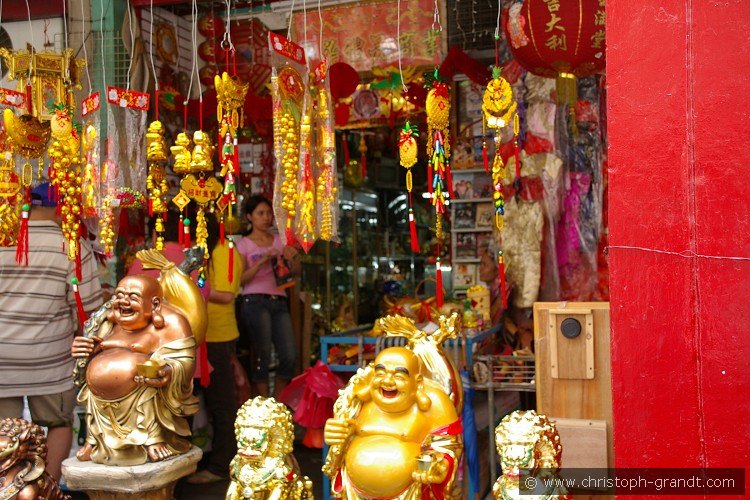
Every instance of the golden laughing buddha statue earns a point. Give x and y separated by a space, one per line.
139 378
395 432
264 467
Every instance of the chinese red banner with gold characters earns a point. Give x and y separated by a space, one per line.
364 34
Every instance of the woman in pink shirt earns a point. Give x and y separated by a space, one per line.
264 307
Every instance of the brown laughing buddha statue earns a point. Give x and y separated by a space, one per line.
139 378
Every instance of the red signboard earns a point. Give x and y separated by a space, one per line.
364 34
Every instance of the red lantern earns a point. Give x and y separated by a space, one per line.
210 25
207 74
208 51
554 37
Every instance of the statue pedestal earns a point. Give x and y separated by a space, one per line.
152 480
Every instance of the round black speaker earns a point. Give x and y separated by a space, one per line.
571 328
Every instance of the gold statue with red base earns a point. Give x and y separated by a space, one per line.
396 432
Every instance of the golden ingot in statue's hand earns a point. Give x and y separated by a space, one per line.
149 369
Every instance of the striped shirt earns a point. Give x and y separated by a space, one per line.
37 313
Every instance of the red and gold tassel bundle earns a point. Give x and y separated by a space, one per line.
498 109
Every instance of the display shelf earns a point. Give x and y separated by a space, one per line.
466 260
471 200
477 170
473 230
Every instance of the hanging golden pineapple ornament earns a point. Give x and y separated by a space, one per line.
439 183
407 149
498 111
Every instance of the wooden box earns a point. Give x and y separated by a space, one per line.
573 371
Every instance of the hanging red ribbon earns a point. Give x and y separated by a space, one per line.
180 229
203 360
231 260
22 245
79 303
439 282
222 231
186 233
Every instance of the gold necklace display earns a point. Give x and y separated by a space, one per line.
288 91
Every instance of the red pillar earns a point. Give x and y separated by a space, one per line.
678 75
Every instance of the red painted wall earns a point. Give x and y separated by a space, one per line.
678 75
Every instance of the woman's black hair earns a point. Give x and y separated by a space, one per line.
251 204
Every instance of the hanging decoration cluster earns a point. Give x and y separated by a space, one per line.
499 109
156 180
439 182
306 198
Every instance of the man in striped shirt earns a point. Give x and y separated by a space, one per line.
37 325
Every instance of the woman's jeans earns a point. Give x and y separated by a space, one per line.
266 319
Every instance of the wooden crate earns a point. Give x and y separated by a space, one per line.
573 375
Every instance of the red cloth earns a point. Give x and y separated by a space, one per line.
312 394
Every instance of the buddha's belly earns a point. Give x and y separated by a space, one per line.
381 466
110 373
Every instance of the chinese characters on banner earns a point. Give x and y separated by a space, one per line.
364 34
554 36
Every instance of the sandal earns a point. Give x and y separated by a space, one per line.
204 477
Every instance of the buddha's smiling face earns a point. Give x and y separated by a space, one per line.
395 380
135 299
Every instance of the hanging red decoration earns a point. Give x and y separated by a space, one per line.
210 25
549 37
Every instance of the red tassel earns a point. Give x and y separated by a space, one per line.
413 232
203 360
150 207
22 245
449 179
290 239
28 98
439 284
345 149
79 303
186 233
222 234
180 228
79 267
231 260
485 157
363 163
501 275
518 163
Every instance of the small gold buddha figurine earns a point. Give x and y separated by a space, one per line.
530 452
156 146
202 153
23 452
264 467
396 432
181 154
